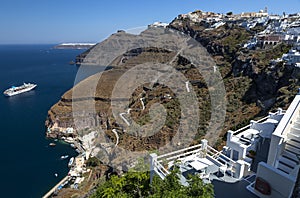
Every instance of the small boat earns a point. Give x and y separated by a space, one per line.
72 145
52 144
64 156
56 175
59 187
71 161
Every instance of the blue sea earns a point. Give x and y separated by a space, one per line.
27 162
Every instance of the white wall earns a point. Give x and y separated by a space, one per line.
233 144
282 129
281 184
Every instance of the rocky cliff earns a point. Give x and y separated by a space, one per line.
253 87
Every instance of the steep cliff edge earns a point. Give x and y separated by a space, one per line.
253 87
61 116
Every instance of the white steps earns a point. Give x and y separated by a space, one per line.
288 159
295 130
294 143
284 168
293 136
290 156
287 162
297 124
292 149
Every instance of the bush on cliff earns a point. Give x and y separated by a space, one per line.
137 184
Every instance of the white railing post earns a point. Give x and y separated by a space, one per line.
153 157
229 136
203 149
204 143
239 169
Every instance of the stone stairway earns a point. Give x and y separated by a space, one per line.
289 158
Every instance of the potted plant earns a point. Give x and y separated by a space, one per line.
251 153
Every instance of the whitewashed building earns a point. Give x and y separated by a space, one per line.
292 57
261 159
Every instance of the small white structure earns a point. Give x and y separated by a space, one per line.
251 43
159 24
261 13
291 39
218 24
187 86
69 130
69 140
292 57
240 142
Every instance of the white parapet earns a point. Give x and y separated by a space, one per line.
281 185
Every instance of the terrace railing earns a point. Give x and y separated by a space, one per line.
162 163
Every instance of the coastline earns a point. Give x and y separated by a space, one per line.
74 167
80 173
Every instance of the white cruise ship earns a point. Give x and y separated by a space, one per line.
20 89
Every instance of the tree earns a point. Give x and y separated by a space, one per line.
171 187
137 184
197 188
132 184
93 162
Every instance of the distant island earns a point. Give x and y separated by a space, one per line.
74 45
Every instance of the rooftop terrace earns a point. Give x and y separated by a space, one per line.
262 157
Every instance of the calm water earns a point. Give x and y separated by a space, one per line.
27 163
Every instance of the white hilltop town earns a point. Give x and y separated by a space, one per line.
276 29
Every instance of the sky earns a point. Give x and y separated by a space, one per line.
57 21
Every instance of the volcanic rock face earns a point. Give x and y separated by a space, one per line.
154 114
253 87
61 114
